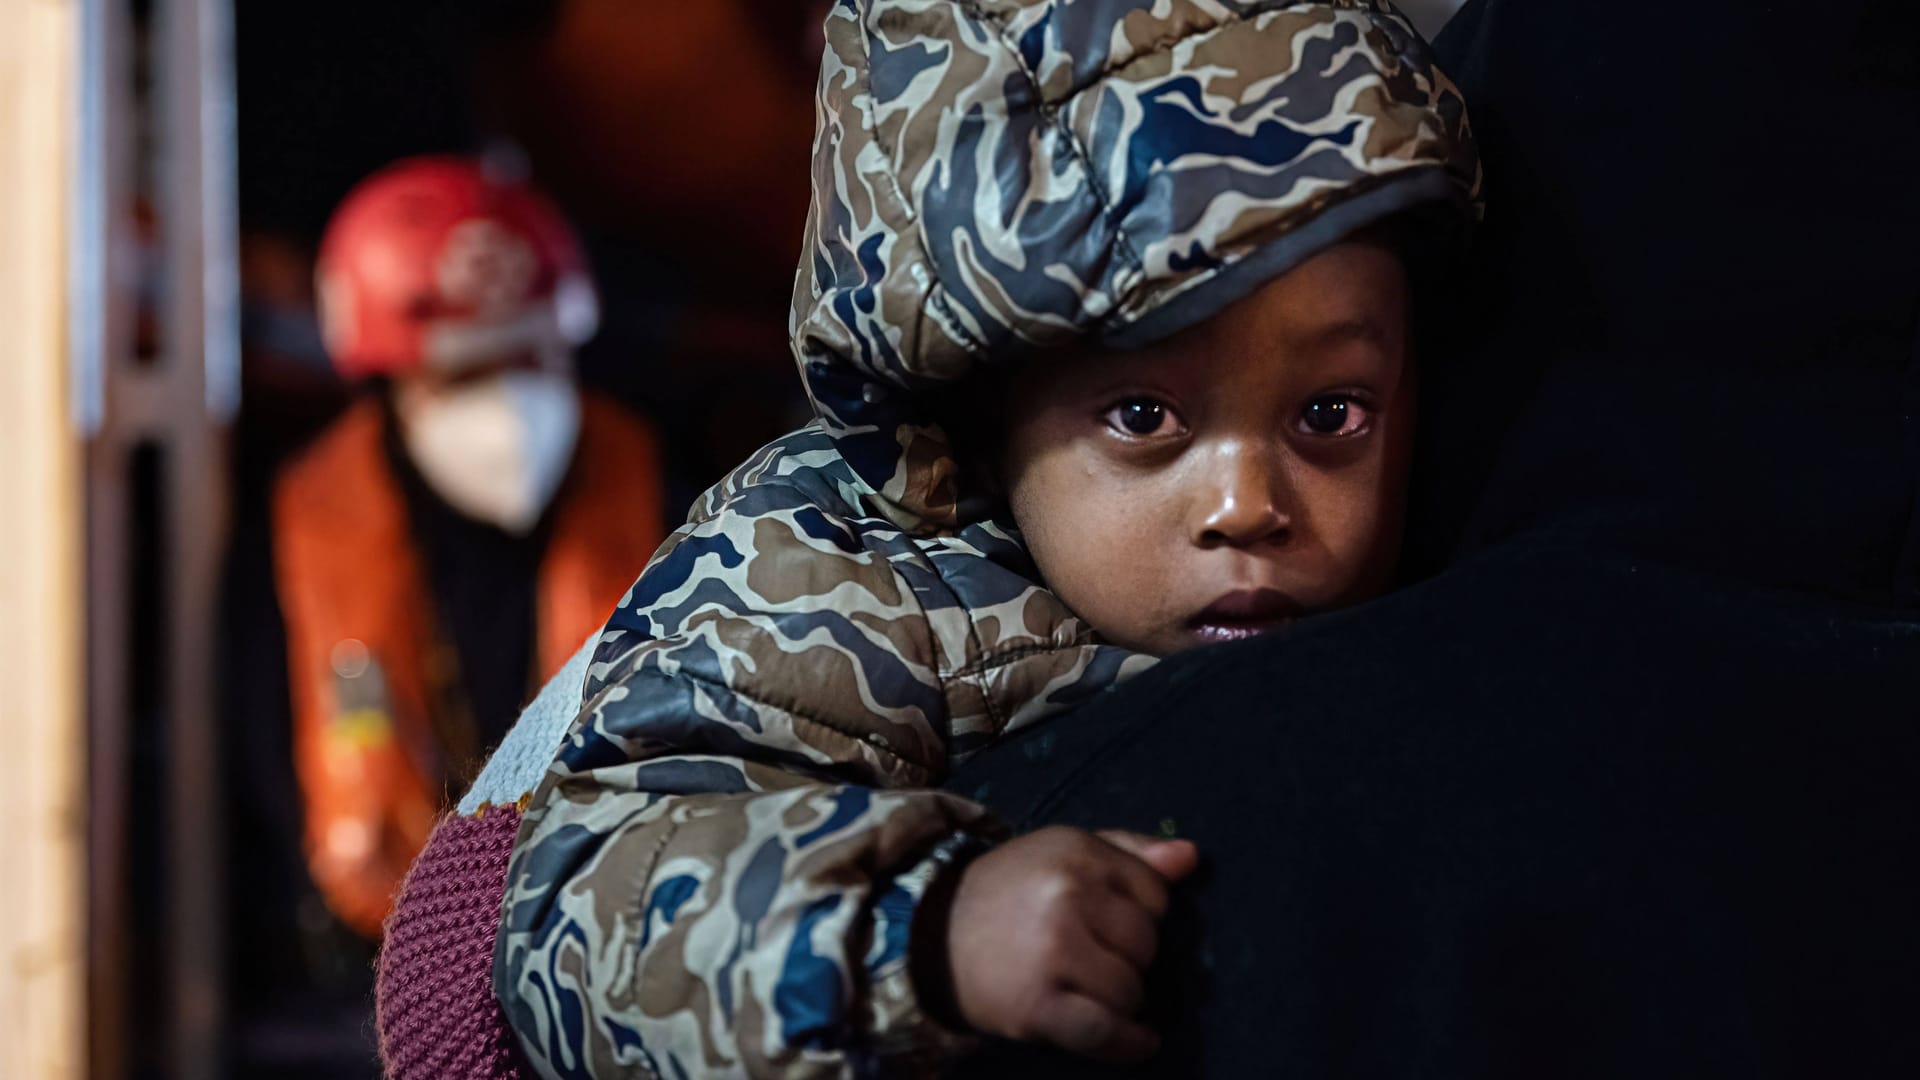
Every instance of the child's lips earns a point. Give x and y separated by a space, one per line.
1244 613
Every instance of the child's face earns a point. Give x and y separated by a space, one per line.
1243 473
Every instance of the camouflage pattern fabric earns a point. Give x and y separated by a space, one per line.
718 874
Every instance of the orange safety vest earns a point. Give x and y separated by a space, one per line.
377 753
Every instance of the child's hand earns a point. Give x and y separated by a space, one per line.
1050 936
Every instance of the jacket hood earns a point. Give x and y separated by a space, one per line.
770 711
991 176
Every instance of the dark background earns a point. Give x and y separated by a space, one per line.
676 137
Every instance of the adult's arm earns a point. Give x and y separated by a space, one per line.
1547 815
1627 788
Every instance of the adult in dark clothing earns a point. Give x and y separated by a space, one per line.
1627 785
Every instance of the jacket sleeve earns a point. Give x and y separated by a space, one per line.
719 873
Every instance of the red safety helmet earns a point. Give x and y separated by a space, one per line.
435 263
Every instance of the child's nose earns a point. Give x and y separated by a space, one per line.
1245 504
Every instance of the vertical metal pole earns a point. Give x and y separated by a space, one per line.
101 273
200 365
182 403
219 208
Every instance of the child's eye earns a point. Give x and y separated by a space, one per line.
1336 416
1143 418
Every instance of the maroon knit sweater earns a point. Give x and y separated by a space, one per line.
437 1015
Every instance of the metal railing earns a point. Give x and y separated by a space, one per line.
155 381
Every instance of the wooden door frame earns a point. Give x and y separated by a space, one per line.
42 721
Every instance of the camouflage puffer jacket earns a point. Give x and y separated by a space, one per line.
719 871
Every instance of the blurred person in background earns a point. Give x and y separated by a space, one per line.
448 542
689 222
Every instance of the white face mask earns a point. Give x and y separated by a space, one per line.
495 448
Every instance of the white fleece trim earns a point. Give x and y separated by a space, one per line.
1429 16
515 769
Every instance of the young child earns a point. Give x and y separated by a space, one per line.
1162 224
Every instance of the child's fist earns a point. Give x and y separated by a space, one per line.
1050 936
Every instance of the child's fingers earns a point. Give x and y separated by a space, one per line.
1174 859
1101 974
1133 843
1078 1023
1171 859
1164 861
1126 928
